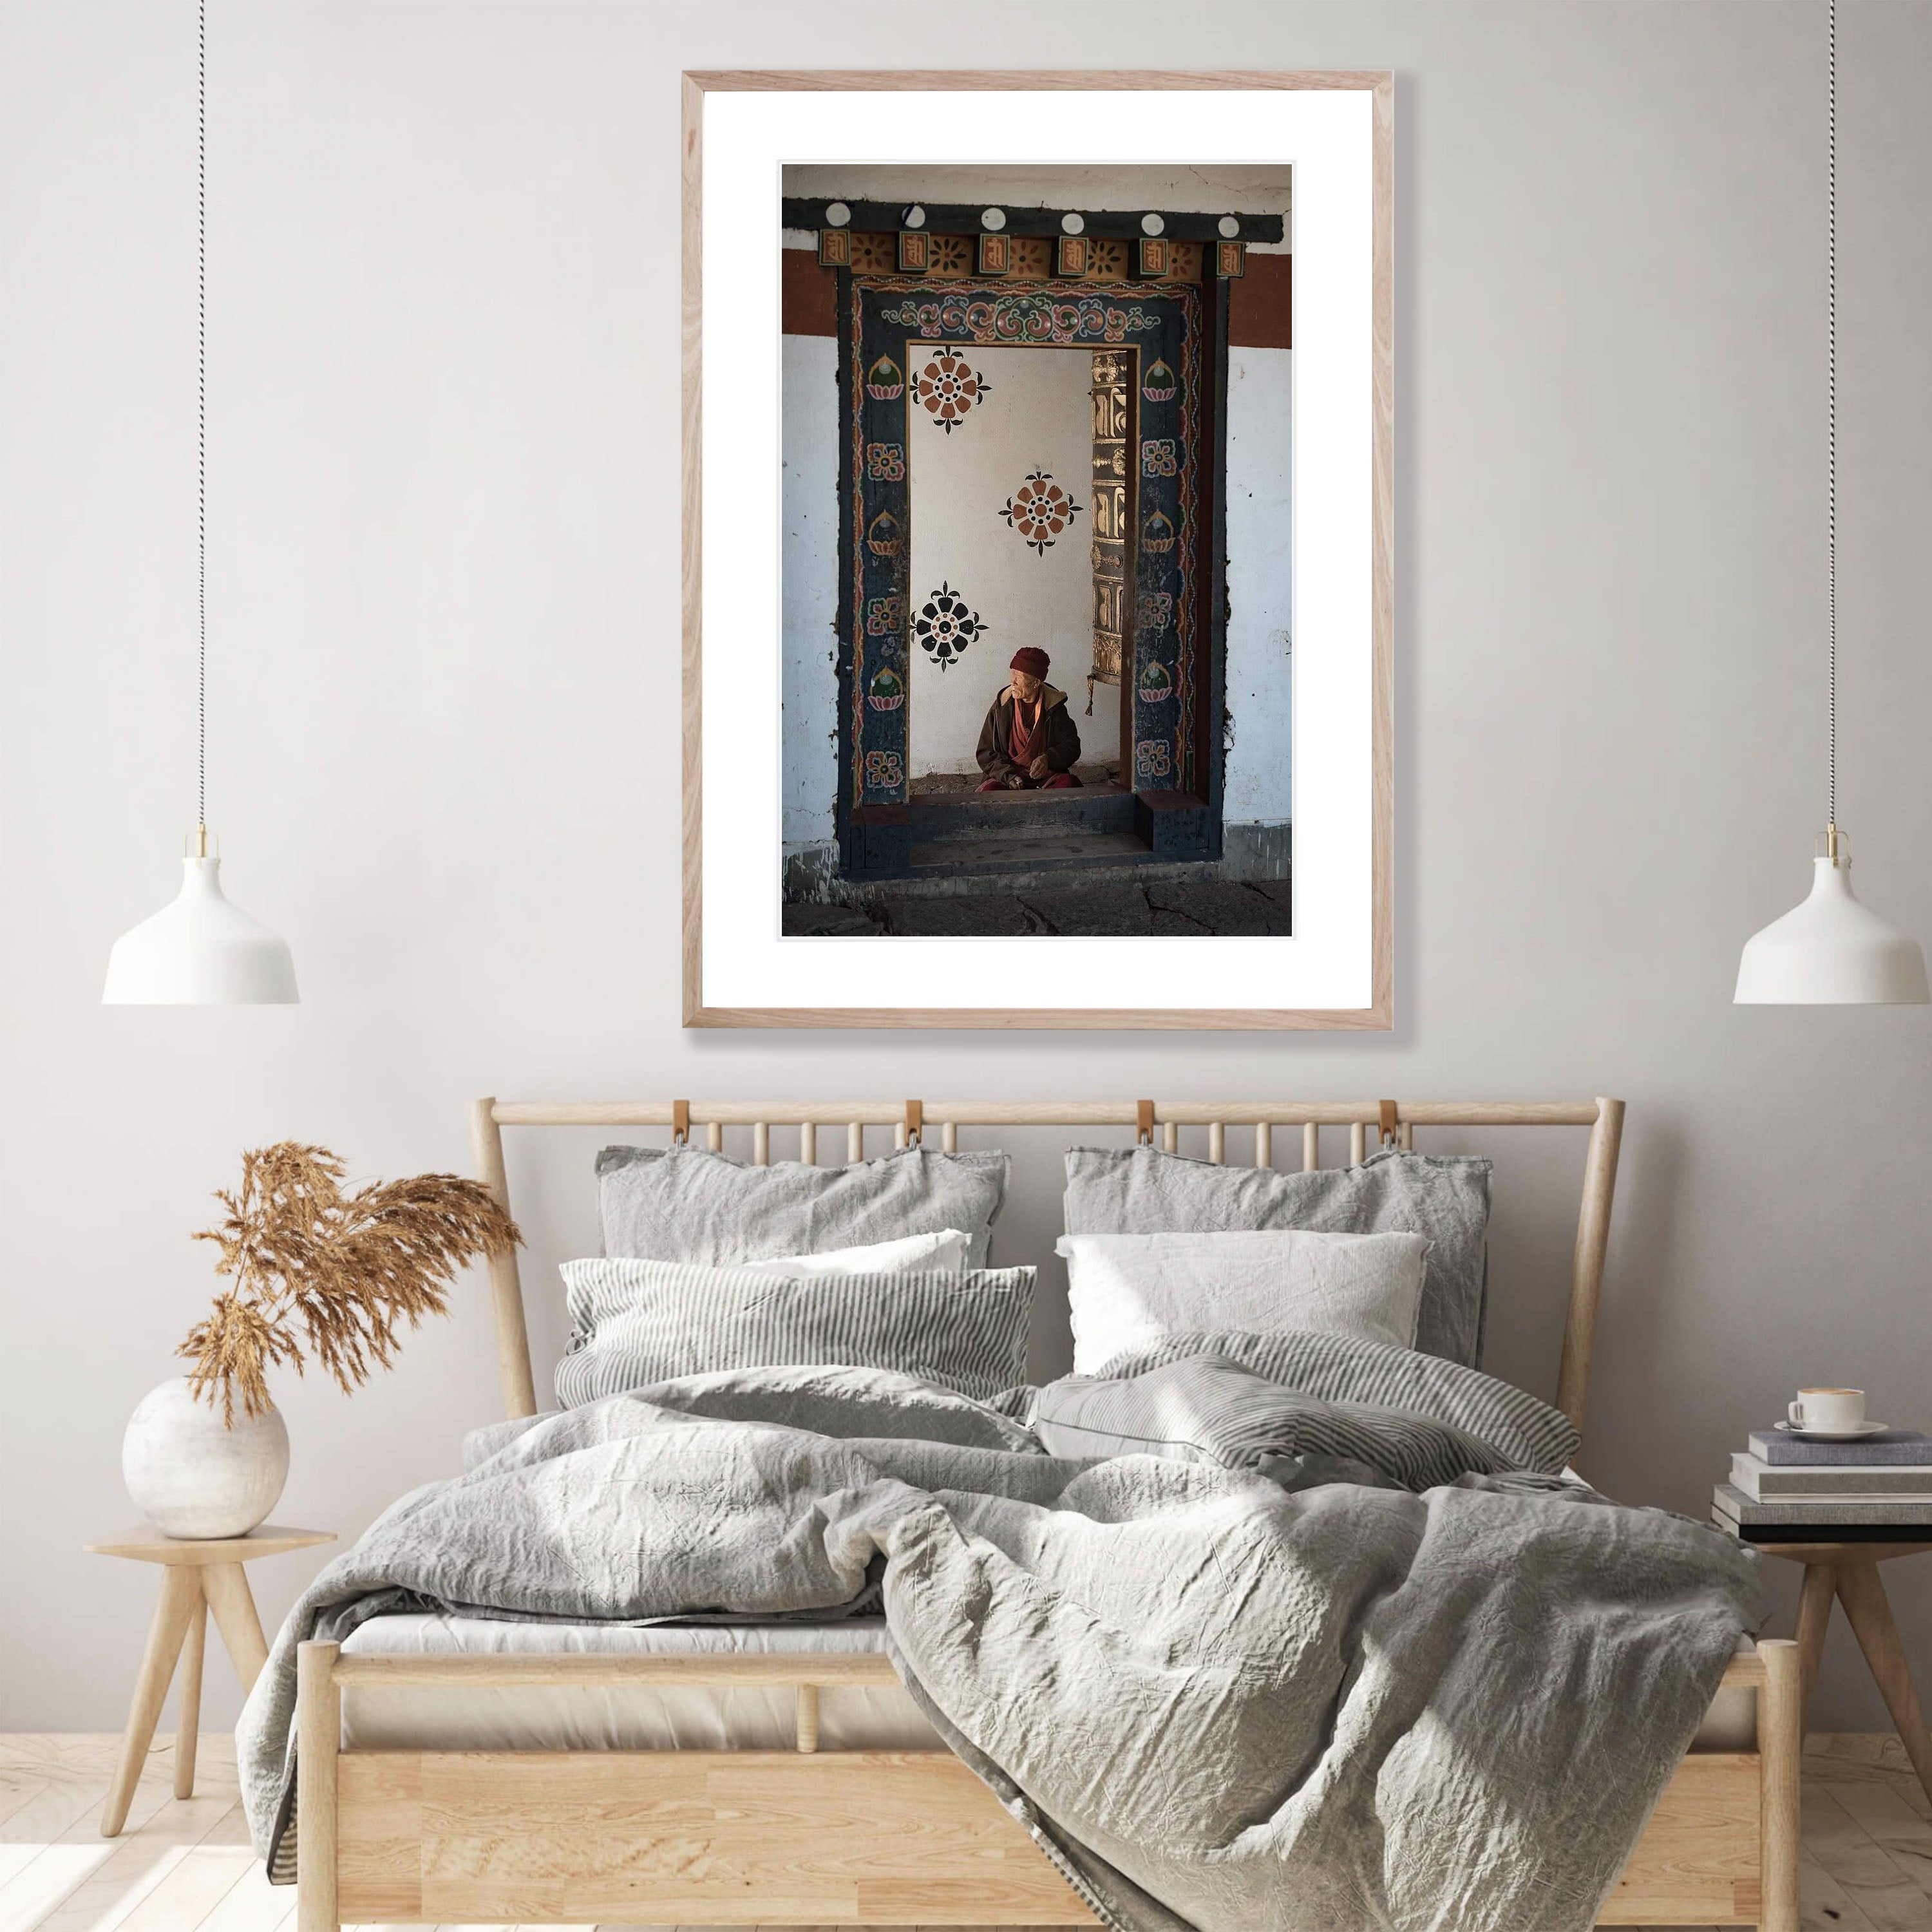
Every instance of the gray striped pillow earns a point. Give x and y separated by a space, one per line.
1206 1409
1524 1433
636 1322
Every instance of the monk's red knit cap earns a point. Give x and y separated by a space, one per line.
1030 659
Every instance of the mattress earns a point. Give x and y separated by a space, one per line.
631 1717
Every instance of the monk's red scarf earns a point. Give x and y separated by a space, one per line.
1026 739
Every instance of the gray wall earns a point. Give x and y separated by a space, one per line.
443 505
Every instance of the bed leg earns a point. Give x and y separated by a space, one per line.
318 1737
1780 1747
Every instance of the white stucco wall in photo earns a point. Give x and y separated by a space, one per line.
809 510
1258 788
1035 418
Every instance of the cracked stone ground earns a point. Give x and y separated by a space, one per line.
1226 910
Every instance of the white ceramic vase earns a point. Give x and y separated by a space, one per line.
190 1476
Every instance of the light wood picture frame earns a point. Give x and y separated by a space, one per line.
1335 969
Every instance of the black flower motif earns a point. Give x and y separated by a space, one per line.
944 626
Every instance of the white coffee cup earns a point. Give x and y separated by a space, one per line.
1831 1410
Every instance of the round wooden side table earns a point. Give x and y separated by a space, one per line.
198 1577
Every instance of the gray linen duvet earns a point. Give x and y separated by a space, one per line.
1218 1698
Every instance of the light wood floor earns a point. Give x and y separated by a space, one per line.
185 1865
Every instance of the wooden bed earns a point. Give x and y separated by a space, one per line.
747 1837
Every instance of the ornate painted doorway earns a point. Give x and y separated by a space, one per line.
1152 369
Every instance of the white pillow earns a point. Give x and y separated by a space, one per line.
1128 1290
944 1253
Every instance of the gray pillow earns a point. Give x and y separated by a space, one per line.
633 1323
1143 1191
686 1204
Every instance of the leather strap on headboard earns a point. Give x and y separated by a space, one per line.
680 1121
915 1121
1388 1111
1144 1130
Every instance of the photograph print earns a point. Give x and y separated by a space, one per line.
1037 550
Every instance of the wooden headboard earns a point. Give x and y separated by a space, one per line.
1393 1122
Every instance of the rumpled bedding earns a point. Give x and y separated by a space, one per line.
1300 1694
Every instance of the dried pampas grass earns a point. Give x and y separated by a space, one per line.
337 1272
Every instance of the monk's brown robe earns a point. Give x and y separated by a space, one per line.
1053 732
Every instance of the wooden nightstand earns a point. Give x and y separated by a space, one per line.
1845 1571
198 1577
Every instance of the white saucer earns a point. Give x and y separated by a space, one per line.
1853 1435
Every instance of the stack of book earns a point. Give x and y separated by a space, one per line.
1785 1489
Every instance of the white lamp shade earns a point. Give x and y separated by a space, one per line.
200 951
1830 951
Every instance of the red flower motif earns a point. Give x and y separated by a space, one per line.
1040 509
948 386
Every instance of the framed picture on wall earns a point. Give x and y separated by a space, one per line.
1038 578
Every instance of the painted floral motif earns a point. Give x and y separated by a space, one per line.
1157 533
884 772
885 381
1159 385
1160 608
1158 457
944 626
1040 509
883 537
885 616
1033 257
1020 318
885 462
1156 686
952 255
947 387
1150 758
887 692
1107 258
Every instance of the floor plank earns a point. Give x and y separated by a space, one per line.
1823 1904
136 1864
1882 1814
1875 1884
194 1890
252 1904
1862 1759
65 1847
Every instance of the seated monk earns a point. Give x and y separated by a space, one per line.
1029 741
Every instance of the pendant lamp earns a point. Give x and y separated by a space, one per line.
1830 950
200 950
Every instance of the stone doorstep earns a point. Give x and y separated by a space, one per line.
992 857
1145 873
1130 910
